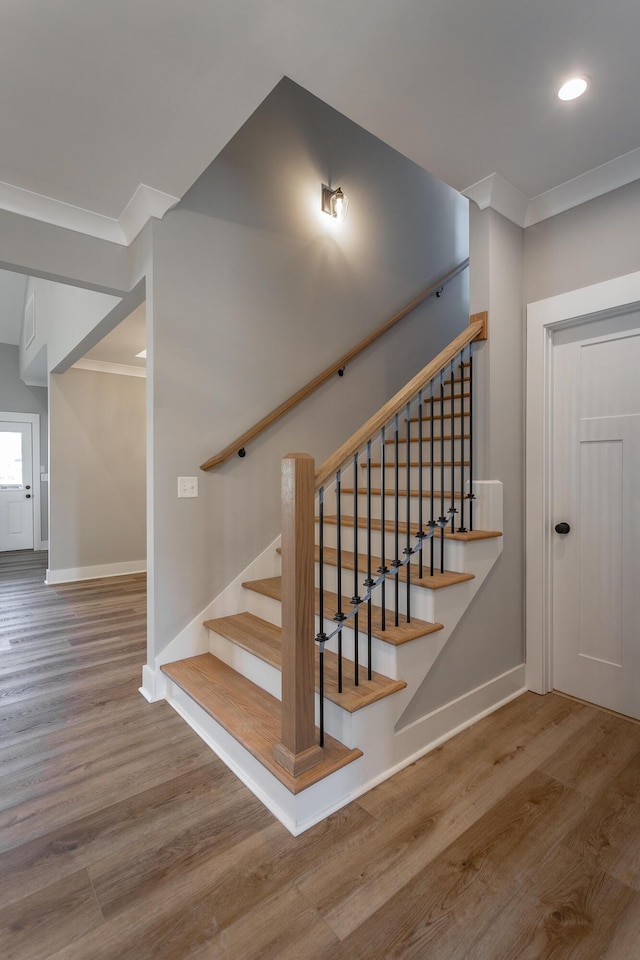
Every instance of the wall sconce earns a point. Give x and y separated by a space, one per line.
334 202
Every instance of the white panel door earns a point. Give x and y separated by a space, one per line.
16 486
596 466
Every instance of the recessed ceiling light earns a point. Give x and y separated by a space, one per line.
142 354
573 88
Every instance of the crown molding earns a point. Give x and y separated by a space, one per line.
496 192
101 366
594 183
145 203
500 195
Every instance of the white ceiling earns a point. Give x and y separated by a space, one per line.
98 98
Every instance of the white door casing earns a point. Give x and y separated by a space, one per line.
596 460
13 535
543 318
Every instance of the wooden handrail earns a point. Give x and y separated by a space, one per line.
475 331
246 437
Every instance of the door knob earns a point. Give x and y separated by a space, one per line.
562 527
28 496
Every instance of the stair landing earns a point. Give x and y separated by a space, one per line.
251 716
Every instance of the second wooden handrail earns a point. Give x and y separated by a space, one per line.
475 331
246 437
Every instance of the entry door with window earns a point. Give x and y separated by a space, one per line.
596 513
16 486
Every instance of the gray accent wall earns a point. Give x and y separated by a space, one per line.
97 470
254 292
17 397
489 639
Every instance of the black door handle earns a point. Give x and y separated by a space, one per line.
28 496
562 527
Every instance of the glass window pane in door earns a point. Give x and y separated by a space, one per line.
10 459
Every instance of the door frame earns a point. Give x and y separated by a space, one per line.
34 420
609 298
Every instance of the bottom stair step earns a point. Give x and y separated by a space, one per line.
264 640
250 715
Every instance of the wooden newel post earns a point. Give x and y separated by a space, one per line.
298 750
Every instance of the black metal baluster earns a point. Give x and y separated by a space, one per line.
339 616
453 453
420 485
471 493
407 550
355 599
462 528
432 450
321 635
396 521
442 491
383 567
369 581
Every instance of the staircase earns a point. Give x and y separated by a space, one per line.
384 525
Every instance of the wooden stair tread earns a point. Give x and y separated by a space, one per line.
389 526
426 494
436 582
251 716
403 633
438 399
263 639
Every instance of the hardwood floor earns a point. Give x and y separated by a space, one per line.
122 836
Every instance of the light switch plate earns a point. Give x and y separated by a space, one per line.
187 487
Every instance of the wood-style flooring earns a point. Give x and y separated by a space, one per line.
123 838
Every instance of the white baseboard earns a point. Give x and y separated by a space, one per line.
71 574
43 545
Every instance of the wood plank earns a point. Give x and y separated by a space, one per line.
436 582
467 537
250 715
283 408
403 633
474 846
263 639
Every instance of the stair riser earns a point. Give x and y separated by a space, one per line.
422 600
414 506
454 551
414 476
338 722
383 654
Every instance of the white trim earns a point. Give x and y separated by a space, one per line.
543 317
71 574
496 192
43 545
594 183
102 366
34 420
145 203
29 322
500 195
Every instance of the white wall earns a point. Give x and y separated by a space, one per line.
97 472
255 291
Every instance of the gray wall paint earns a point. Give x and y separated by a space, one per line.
254 292
97 470
591 243
17 397
490 637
